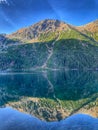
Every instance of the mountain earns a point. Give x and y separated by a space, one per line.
5 42
43 29
47 30
90 29
53 44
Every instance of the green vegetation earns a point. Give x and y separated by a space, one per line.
67 54
71 34
55 95
74 54
23 56
48 37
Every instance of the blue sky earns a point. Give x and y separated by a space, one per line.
15 14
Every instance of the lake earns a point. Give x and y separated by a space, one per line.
75 90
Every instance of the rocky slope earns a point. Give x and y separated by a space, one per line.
40 31
51 29
54 44
90 29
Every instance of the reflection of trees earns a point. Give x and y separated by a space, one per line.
74 85
25 85
71 85
14 87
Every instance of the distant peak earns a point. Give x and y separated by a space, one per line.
49 21
96 21
93 22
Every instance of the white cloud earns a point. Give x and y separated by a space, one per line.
4 2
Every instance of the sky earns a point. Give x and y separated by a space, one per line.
16 14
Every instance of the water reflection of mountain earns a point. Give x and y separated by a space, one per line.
70 85
74 85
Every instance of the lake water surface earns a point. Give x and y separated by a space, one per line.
60 85
68 85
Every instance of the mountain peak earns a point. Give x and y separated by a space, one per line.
49 24
43 27
96 21
51 28
51 21
90 27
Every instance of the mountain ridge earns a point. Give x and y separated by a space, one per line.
33 33
49 40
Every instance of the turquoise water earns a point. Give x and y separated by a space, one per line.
64 85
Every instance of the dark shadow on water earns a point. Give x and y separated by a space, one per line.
64 85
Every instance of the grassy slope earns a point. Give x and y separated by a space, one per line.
71 51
